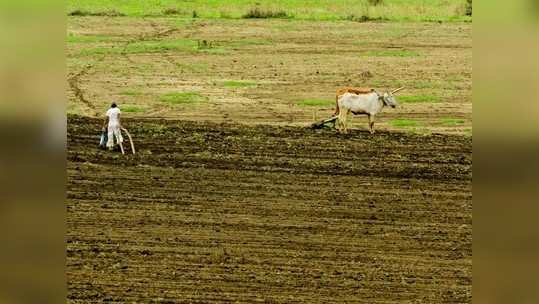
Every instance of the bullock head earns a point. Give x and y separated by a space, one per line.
389 99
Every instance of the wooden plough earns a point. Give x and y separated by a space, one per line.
130 140
104 138
323 123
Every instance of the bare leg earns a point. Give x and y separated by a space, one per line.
119 140
371 123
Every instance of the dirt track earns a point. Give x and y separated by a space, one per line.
217 212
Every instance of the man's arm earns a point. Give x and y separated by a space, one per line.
120 120
106 120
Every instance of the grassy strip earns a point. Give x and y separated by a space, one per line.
316 102
183 98
71 38
239 84
155 46
403 123
395 10
132 109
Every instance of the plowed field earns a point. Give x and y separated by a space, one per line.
208 212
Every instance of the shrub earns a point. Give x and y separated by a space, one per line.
364 18
468 7
204 44
172 11
108 13
257 12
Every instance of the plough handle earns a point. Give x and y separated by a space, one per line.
130 139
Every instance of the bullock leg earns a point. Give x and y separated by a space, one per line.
340 123
346 122
371 123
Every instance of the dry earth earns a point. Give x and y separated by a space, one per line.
135 61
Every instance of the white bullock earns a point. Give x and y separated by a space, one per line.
368 104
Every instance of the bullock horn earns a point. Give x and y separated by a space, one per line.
395 91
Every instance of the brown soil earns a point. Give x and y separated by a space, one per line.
208 212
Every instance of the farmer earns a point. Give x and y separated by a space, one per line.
114 125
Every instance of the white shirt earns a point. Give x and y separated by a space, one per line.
113 115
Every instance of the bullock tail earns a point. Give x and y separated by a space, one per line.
336 105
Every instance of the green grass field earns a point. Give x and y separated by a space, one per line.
362 10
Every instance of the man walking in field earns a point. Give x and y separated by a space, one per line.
114 125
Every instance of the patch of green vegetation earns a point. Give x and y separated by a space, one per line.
131 109
403 123
157 46
72 38
316 102
390 53
423 85
98 51
239 84
418 98
183 98
452 121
